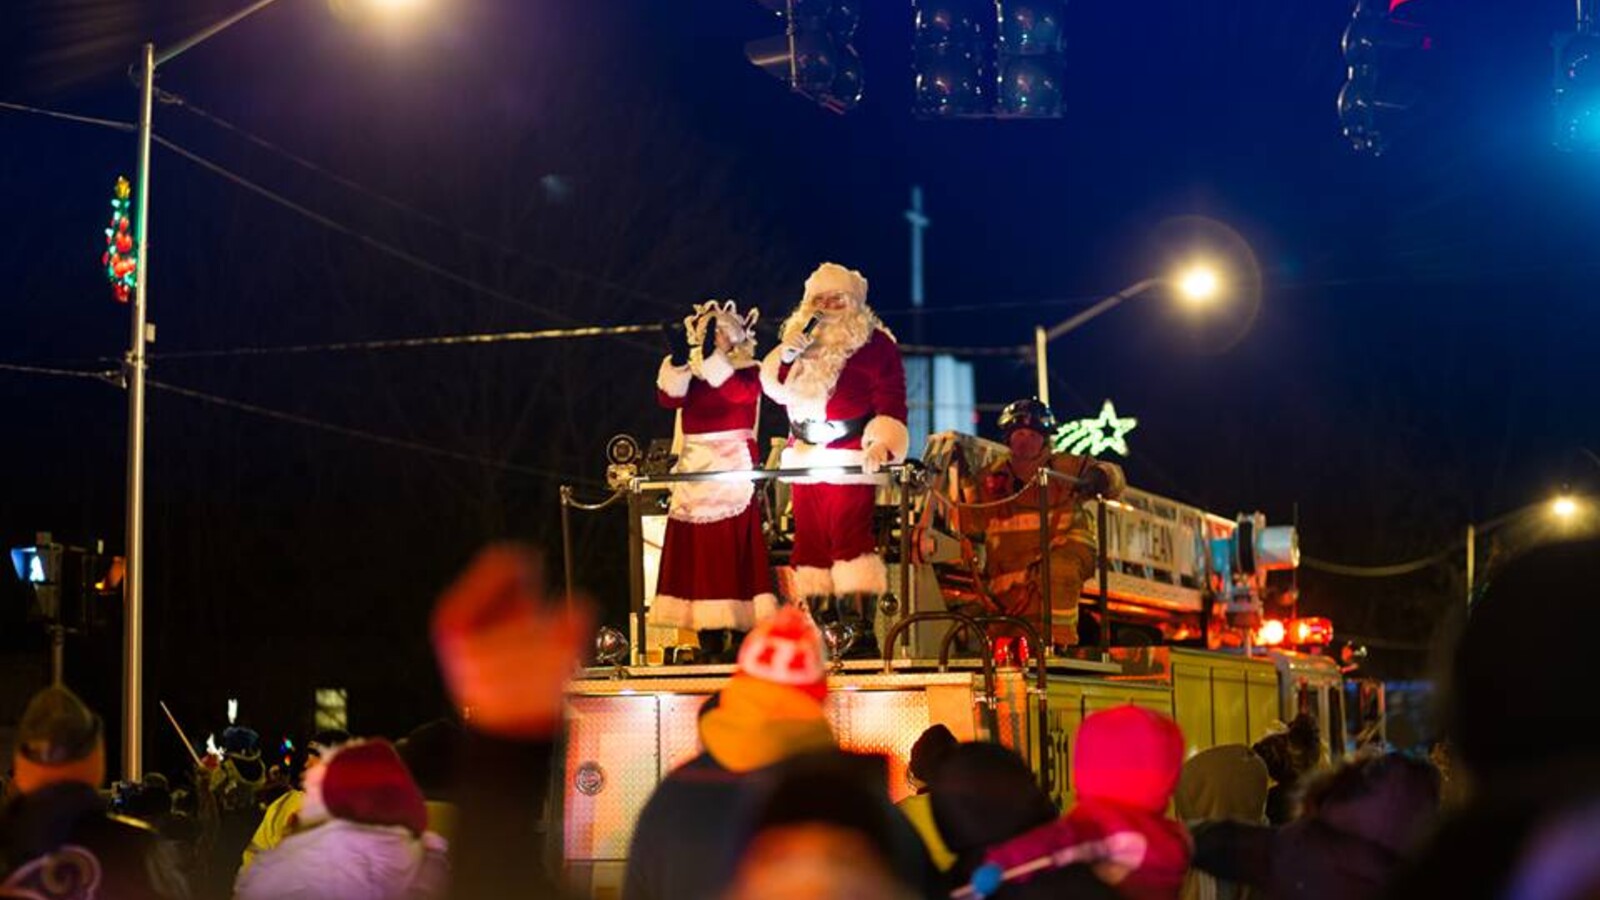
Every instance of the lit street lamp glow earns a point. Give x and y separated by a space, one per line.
1199 284
1564 507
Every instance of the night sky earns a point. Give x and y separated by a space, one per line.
1420 353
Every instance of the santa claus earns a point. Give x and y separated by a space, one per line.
839 375
714 577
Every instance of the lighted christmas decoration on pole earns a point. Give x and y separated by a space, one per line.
1095 436
121 264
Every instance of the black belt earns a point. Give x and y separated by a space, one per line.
815 431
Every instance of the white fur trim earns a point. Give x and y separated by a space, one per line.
705 615
716 369
673 380
889 431
812 581
770 381
801 455
766 607
830 277
866 574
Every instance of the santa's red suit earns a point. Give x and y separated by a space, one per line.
714 571
845 396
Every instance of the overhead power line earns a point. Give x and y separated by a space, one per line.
446 340
346 431
401 206
1389 571
389 249
102 375
957 350
70 117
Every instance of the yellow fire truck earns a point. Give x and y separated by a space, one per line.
1180 603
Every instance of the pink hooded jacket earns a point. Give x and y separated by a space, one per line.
1125 770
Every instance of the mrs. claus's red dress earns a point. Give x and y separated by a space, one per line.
714 568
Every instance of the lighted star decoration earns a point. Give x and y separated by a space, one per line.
1095 436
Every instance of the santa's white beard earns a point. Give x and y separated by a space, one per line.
835 339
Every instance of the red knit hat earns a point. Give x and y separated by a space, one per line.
1128 755
366 782
786 649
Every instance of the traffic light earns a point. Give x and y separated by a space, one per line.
1029 57
987 58
1577 86
1382 50
814 55
953 52
75 587
40 566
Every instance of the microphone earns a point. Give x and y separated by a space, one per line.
790 354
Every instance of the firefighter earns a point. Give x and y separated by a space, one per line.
1011 529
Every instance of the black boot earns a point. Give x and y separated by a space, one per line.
712 643
860 612
735 641
824 610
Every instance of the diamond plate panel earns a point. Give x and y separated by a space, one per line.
613 764
886 722
680 729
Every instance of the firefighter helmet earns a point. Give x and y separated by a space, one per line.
1028 413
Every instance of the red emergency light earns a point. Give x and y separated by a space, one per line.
1271 633
1313 630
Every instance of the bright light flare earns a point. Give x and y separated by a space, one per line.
1271 633
1564 508
395 6
1199 284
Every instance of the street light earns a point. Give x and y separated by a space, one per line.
1561 509
1197 284
1564 507
134 365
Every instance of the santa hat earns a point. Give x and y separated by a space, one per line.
832 277
366 782
1128 755
786 650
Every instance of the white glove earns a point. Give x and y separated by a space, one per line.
794 345
694 328
875 457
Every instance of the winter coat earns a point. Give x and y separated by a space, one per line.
58 842
1125 770
1143 854
1227 783
343 860
1346 846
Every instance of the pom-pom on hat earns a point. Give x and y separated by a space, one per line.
787 650
832 277
366 782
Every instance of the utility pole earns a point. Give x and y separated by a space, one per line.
919 223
